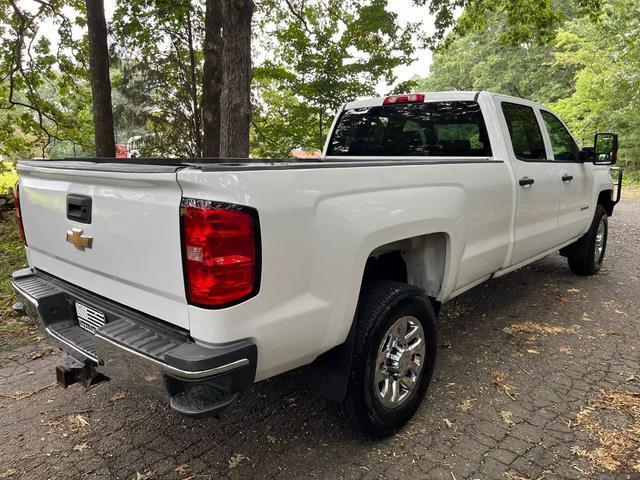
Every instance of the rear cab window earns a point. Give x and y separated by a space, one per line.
438 129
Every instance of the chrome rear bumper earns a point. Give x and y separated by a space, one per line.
136 350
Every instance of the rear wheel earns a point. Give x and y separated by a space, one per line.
590 262
394 356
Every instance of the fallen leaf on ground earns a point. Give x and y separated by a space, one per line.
237 460
182 469
535 352
447 422
45 352
499 381
573 290
118 396
467 405
507 416
8 473
147 475
514 476
565 349
20 395
78 423
618 439
80 447
532 327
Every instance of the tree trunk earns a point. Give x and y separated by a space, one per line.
235 102
100 80
212 81
193 89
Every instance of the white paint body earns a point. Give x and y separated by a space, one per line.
318 226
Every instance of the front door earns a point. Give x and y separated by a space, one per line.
574 213
537 184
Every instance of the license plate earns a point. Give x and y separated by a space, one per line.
89 318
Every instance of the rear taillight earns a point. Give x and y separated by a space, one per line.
16 202
409 98
220 244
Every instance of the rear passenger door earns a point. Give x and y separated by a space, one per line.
537 182
574 176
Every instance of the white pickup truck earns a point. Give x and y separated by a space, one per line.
196 278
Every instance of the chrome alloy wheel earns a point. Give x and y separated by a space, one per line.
399 361
598 251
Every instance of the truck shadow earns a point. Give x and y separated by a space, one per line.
283 419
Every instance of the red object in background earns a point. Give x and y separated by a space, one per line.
121 151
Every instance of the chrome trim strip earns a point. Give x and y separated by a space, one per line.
176 371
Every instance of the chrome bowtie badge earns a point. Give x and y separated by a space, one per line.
75 237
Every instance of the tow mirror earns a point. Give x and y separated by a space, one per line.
605 150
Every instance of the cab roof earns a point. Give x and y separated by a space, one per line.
454 95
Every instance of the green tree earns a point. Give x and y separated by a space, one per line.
478 61
159 82
523 21
320 54
607 83
44 92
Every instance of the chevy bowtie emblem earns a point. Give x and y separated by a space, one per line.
75 237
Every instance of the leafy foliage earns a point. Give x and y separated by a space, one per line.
589 73
320 54
607 93
478 62
44 95
522 21
158 46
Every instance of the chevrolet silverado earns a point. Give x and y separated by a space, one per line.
195 278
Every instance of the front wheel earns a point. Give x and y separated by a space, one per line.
596 239
394 356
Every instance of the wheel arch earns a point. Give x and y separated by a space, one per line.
605 198
421 261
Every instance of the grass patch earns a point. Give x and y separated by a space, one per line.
8 176
632 178
14 330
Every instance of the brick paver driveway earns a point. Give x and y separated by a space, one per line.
538 377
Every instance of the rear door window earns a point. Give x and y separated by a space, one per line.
412 130
524 131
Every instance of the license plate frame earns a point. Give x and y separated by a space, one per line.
89 318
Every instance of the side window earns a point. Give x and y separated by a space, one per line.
563 144
525 133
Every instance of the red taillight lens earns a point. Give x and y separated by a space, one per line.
410 98
16 202
220 251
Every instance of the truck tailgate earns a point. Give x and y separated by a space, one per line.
135 254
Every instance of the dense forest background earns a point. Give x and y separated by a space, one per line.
308 57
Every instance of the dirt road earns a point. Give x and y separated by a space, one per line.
538 377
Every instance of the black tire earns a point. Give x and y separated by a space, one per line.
381 305
592 262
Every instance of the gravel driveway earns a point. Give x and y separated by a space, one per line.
538 377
